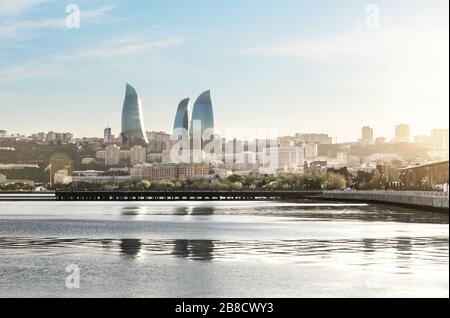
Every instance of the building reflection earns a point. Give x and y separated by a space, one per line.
130 247
202 250
202 210
130 211
198 210
369 246
404 247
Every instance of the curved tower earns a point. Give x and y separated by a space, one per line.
203 112
182 117
132 117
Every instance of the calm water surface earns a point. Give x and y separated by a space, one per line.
222 249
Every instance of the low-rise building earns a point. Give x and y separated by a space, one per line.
158 172
87 161
62 177
154 172
193 171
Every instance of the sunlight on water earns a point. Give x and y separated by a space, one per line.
245 249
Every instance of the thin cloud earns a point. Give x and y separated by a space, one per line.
17 7
14 28
124 47
55 65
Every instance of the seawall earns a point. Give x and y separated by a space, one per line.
435 200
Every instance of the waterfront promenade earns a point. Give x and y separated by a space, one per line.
422 199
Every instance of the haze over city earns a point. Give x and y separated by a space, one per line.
300 67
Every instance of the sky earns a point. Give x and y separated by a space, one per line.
297 66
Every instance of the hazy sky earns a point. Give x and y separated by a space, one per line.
300 66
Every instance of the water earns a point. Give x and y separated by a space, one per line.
222 249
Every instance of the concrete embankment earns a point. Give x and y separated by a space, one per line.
27 196
435 200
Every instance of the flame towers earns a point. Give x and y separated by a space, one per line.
132 117
202 114
182 118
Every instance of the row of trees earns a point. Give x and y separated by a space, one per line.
330 181
16 187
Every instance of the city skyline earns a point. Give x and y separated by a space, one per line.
307 74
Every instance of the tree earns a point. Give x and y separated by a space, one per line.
235 178
144 184
336 181
236 186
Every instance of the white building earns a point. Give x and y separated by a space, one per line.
342 158
287 159
87 161
440 139
62 177
112 155
2 178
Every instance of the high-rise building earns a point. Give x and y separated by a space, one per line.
367 135
108 138
402 133
439 139
158 141
202 115
181 123
132 118
311 150
138 154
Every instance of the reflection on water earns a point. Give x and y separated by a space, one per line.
401 250
196 210
130 247
322 212
230 249
130 210
201 250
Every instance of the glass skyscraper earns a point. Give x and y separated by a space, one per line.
203 113
182 118
132 117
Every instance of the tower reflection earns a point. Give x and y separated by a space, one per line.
202 250
130 247
197 210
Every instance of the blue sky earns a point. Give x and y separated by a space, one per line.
299 66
